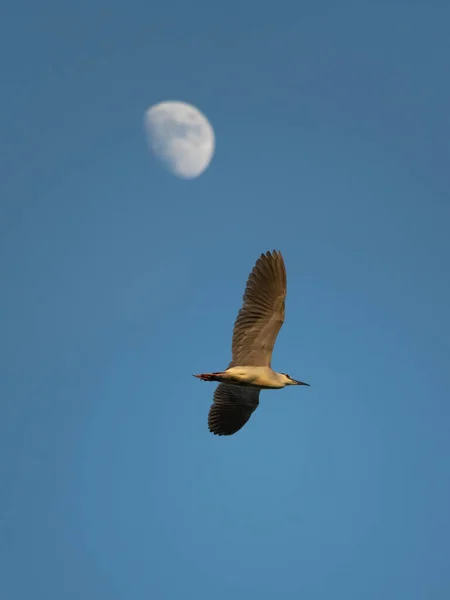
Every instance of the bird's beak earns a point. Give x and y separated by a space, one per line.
300 382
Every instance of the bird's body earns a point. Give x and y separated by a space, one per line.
261 378
255 331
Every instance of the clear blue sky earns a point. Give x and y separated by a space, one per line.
119 281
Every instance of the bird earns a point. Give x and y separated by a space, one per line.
255 330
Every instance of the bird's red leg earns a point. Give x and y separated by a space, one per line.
210 376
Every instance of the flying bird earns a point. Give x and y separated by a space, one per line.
254 334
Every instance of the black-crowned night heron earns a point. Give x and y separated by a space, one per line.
255 331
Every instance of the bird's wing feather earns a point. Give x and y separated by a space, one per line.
231 409
262 313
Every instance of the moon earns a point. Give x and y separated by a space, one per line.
181 137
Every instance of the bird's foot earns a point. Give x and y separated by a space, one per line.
209 376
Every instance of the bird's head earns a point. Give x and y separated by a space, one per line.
289 381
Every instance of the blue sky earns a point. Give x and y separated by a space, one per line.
119 281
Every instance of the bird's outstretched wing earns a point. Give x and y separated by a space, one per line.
262 313
231 409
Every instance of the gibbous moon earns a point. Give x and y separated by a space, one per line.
181 137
